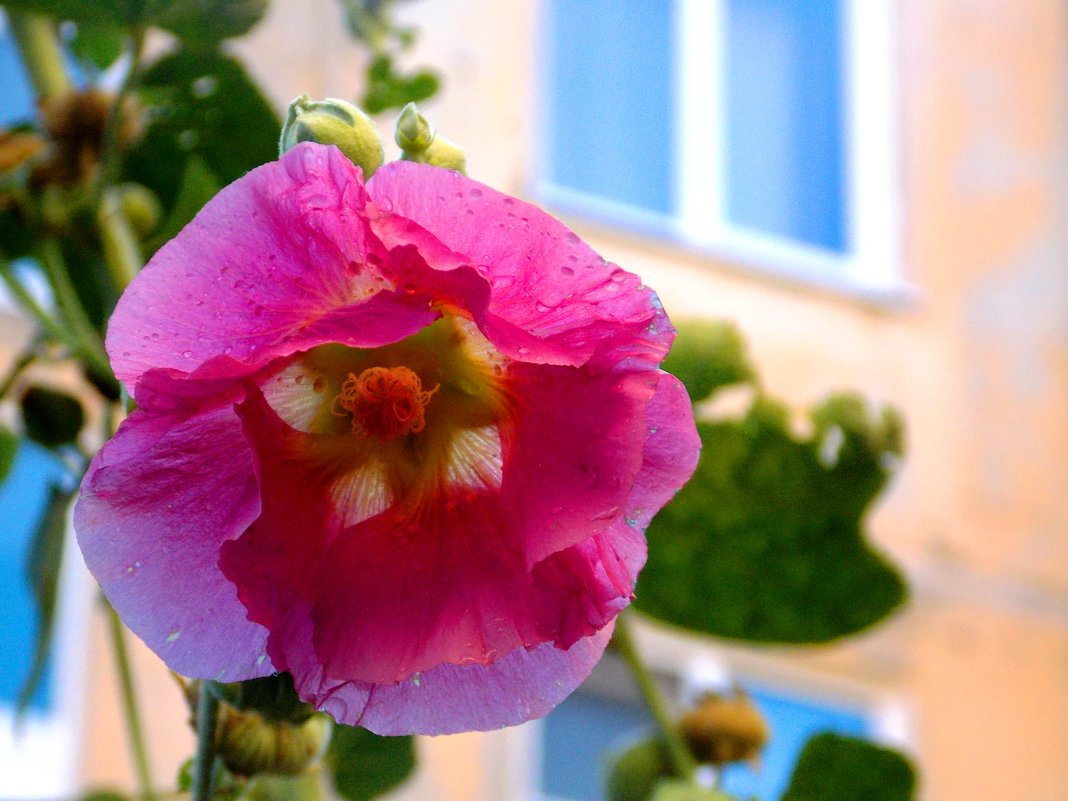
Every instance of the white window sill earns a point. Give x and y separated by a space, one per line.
866 279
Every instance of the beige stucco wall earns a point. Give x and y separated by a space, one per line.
978 362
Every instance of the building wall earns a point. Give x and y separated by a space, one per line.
977 360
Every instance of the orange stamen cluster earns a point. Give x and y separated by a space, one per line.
384 402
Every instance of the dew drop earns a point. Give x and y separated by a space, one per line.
476 192
573 239
567 271
174 635
187 354
319 384
509 201
299 379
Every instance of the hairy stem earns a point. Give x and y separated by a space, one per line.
204 761
681 758
138 750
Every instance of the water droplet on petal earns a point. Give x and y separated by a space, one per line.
187 354
567 271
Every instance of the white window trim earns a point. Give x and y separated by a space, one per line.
873 270
40 756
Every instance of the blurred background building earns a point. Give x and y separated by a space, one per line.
876 192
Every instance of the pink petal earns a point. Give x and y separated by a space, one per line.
281 249
572 453
521 686
156 504
583 587
554 300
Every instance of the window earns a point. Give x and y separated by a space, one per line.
606 714
759 130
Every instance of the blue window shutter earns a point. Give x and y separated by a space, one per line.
23 497
609 104
784 148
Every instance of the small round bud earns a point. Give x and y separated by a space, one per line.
334 122
412 133
52 418
421 143
140 207
723 729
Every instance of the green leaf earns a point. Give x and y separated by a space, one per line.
43 567
202 24
100 45
306 787
203 106
836 768
634 772
9 446
708 355
198 185
104 795
367 765
765 543
680 790
51 417
99 12
198 22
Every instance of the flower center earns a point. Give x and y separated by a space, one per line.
384 402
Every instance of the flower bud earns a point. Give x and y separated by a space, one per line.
140 207
723 729
420 142
250 744
334 122
51 417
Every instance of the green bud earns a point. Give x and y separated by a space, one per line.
413 133
250 744
141 208
334 122
421 143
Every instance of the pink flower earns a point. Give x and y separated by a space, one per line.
400 439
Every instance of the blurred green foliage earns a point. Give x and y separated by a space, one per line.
766 542
836 768
366 765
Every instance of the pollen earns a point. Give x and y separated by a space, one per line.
384 402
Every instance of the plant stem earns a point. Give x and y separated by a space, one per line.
204 761
27 301
681 758
109 159
122 253
39 48
130 707
85 335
